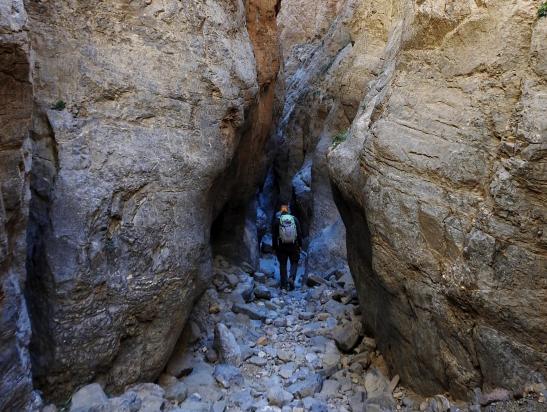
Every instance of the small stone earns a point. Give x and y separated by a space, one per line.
232 279
226 345
219 406
228 375
263 340
375 383
363 359
284 355
128 402
330 388
251 311
307 387
89 397
393 384
151 396
497 395
258 361
287 370
347 336
408 402
214 308
166 380
262 292
176 392
305 315
369 343
211 355
277 396
314 280
260 277
314 405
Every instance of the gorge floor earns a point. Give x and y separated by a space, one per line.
250 346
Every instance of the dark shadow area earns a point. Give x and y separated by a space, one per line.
15 118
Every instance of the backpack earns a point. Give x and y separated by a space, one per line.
287 229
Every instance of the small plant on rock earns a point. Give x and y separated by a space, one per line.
340 137
542 11
59 105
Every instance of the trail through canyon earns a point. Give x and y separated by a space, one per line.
250 346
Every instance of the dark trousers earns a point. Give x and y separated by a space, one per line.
283 255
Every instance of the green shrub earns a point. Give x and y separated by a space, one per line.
542 11
59 105
340 137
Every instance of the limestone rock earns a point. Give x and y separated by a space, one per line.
176 392
226 345
89 398
277 396
227 375
15 121
439 183
159 128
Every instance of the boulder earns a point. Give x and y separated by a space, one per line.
152 128
226 345
347 335
88 399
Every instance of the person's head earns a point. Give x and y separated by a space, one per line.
284 209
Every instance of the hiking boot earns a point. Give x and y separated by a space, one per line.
291 284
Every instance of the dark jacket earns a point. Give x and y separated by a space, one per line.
275 234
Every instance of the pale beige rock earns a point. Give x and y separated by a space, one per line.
441 186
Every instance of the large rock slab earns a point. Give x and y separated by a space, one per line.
440 185
153 101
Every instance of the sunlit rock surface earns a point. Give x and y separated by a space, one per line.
441 184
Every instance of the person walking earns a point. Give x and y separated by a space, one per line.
287 241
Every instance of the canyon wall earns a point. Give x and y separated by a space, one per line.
142 131
235 232
441 185
15 118
317 57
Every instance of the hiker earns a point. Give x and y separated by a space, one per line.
286 242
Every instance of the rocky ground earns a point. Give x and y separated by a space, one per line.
251 347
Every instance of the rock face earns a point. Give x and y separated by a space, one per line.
15 118
441 185
322 74
141 135
235 230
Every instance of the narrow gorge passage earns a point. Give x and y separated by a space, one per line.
146 146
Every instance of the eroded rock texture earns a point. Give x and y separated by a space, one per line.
15 117
235 231
129 177
315 38
441 184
